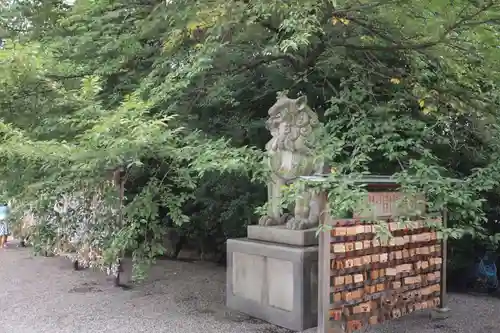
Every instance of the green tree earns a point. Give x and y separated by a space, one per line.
176 92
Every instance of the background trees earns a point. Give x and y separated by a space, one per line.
176 92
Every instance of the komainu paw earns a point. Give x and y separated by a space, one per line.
297 224
267 221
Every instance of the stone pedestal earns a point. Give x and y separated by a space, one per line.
275 278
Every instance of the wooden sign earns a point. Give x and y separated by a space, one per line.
390 204
366 279
373 280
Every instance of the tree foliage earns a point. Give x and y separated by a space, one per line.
175 93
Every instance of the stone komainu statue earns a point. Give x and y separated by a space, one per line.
291 154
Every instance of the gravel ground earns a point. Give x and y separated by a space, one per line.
43 295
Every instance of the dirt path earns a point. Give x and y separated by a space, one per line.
45 295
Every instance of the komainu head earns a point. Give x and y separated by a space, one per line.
291 123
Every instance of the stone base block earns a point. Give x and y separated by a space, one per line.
281 235
440 313
273 282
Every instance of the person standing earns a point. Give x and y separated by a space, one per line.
4 225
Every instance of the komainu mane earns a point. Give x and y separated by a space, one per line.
291 154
